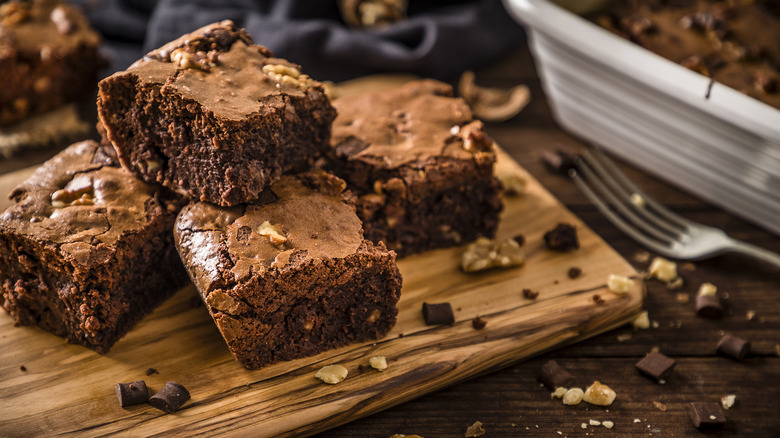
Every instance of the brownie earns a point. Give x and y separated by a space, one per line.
86 250
420 165
290 276
736 43
214 117
48 56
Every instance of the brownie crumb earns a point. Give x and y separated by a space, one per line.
520 239
530 294
597 299
574 272
562 238
22 368
478 323
151 371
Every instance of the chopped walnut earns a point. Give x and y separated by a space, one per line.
727 401
66 198
475 430
608 424
514 184
274 233
619 284
559 392
485 253
599 394
663 269
707 289
573 396
372 13
660 406
475 139
493 104
199 60
332 374
284 74
378 363
642 321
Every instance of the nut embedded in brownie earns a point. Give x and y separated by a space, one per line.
291 277
48 57
214 117
86 250
420 164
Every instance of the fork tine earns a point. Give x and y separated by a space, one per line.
613 170
624 207
653 244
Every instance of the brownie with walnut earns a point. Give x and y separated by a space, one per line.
48 57
215 117
86 249
291 275
421 165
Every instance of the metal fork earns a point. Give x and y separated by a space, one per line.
648 222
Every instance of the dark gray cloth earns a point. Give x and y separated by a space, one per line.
439 39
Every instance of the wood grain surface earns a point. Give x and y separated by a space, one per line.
69 390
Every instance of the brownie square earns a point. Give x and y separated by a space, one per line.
420 165
87 250
291 277
214 117
48 56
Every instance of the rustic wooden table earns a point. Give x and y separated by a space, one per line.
512 403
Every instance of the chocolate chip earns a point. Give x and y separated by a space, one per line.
439 313
707 415
170 397
151 371
553 376
478 323
656 366
133 393
574 272
734 347
709 306
562 238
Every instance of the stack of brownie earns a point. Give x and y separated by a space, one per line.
290 260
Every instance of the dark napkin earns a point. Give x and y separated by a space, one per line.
439 39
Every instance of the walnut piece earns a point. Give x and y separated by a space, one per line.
619 284
284 74
66 198
274 233
707 290
199 60
332 374
492 104
475 430
727 401
372 13
599 394
514 184
378 363
573 396
484 253
663 269
642 321
559 392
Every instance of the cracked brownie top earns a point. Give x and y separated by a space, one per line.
80 201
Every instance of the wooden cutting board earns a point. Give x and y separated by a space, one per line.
68 389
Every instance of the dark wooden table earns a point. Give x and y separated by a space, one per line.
511 402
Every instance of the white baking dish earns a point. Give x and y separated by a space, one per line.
649 111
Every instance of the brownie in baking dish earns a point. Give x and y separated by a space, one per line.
736 43
86 250
289 276
420 165
48 57
214 117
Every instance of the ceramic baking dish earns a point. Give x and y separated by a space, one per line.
707 138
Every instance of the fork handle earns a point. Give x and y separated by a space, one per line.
756 252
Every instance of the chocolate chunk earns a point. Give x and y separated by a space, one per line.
151 371
554 376
478 323
170 397
707 415
574 272
733 347
559 162
562 238
439 313
709 306
656 366
133 393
